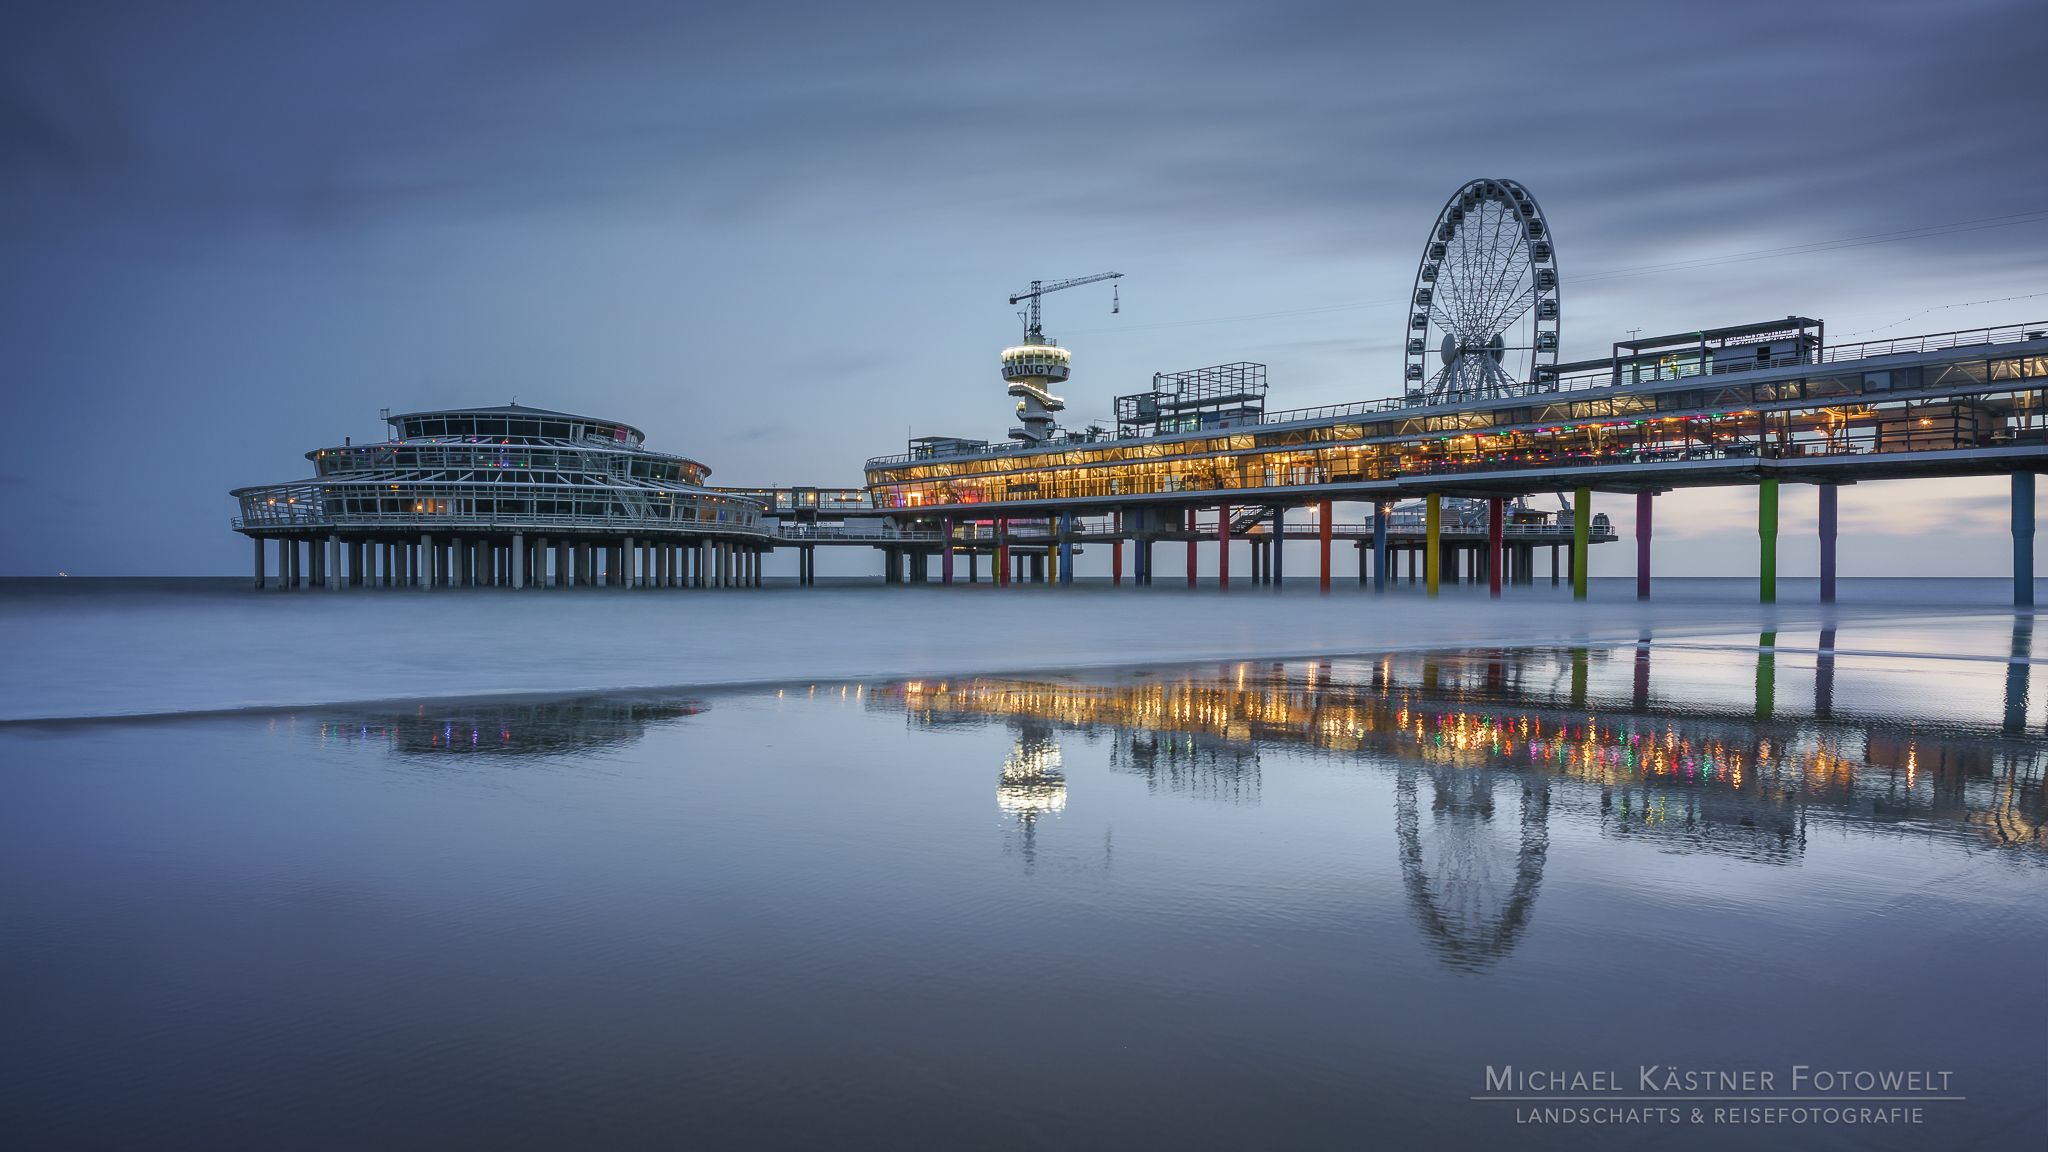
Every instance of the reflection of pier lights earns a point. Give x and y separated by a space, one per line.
1032 783
1471 875
1179 763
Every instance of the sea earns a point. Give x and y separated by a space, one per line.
1036 868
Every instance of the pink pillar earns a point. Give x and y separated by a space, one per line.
1643 545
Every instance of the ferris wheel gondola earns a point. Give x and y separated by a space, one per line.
1485 304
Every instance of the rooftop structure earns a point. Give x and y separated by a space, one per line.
478 495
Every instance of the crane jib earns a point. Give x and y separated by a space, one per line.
1039 288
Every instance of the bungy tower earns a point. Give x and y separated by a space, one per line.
1033 367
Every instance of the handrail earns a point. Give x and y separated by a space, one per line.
1940 341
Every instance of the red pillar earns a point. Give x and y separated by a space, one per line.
1003 553
1223 547
1496 528
1323 533
1643 545
1191 549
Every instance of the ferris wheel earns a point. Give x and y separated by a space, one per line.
1485 314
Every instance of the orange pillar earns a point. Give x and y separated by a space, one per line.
1323 532
1223 547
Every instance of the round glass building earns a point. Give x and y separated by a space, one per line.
510 497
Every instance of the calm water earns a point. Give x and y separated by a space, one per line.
1297 903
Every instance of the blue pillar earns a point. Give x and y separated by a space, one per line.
2023 539
1379 546
1066 548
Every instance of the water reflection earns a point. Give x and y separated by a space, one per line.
552 728
1489 746
1032 783
1473 862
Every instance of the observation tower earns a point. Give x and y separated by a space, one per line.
1031 368
479 496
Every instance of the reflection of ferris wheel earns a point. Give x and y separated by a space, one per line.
1471 869
1485 312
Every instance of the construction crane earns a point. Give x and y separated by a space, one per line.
1032 332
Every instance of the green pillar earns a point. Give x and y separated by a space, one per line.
1433 546
1766 674
1767 531
1582 527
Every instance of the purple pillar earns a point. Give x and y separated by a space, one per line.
945 551
1643 500
1827 543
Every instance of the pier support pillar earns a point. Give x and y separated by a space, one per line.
1276 550
518 561
2023 539
946 552
1767 537
1002 572
1191 549
1379 546
1496 535
1582 527
1324 528
1116 550
1223 547
1827 543
260 577
1066 549
1643 545
333 572
1433 543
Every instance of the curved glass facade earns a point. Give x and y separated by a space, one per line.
467 473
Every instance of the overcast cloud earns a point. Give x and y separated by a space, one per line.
779 236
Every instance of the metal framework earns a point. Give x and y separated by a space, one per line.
1486 286
1221 396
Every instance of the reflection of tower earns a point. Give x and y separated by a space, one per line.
1032 782
1472 870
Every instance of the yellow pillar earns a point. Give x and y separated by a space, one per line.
1433 542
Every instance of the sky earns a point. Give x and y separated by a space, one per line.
780 237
